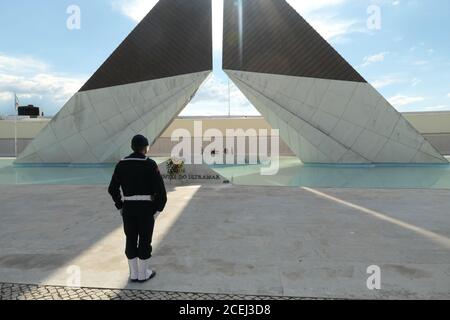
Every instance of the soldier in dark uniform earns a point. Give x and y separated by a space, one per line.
144 198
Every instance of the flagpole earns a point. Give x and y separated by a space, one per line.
229 99
15 125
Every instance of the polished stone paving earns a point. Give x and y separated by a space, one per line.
235 240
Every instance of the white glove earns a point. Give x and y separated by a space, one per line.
156 215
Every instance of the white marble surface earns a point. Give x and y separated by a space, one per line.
343 122
96 126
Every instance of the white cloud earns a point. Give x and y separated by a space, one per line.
379 57
34 80
217 26
21 64
392 79
330 28
402 100
448 95
437 108
388 80
415 82
326 23
421 62
134 9
307 7
213 98
6 96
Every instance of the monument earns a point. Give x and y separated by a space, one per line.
325 110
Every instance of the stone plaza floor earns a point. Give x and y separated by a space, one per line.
229 241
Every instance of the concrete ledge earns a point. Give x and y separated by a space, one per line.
195 174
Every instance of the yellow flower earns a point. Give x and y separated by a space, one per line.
177 161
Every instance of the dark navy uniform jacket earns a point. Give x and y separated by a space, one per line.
138 175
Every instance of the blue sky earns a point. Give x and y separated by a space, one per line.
407 59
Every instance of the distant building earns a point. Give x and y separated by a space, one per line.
30 110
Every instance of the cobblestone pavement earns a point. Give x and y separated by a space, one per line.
12 291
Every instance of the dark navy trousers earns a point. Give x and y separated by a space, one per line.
138 223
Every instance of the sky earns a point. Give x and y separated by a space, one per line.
402 47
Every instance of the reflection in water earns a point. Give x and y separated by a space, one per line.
11 174
292 173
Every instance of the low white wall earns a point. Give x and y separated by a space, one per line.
435 126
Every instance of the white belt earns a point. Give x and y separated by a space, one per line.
138 198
